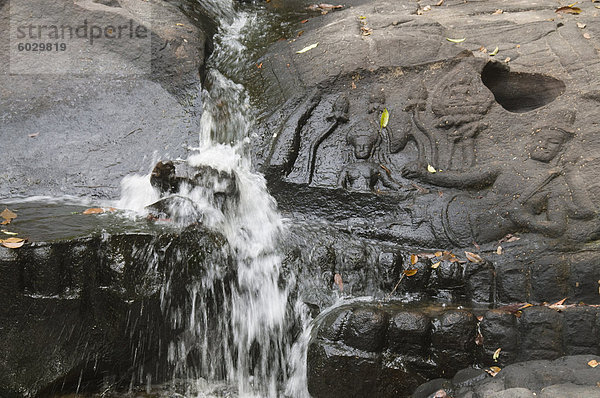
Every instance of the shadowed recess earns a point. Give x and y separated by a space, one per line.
520 92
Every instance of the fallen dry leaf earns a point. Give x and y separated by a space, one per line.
499 250
593 363
410 272
479 339
439 254
307 48
587 36
337 278
498 12
496 354
366 31
431 169
560 302
413 259
474 258
12 243
98 210
581 25
8 232
304 21
493 371
8 215
434 266
568 10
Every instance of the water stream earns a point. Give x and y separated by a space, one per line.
243 340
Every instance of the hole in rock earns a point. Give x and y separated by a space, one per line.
520 92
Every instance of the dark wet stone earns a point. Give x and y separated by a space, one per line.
335 371
366 329
79 308
540 330
408 333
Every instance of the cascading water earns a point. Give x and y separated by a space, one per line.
239 329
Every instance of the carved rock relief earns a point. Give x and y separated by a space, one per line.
490 170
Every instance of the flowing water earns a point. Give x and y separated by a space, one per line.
243 341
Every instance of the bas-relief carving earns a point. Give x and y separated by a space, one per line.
483 199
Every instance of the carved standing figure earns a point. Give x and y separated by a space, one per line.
364 174
459 104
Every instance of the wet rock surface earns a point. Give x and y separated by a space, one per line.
86 314
401 344
569 376
81 129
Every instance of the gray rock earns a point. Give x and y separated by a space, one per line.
513 393
569 391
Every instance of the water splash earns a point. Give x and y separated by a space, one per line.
236 329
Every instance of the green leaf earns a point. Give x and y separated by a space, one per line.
494 52
456 40
385 118
305 49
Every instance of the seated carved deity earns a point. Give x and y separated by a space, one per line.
540 196
364 174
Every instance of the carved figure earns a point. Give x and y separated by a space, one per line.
538 197
459 104
364 174
308 141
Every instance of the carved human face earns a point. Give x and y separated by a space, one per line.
363 146
547 145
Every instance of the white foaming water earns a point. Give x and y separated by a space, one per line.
239 329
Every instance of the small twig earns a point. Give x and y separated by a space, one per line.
395 287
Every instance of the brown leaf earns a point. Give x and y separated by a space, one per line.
474 258
413 259
480 318
410 272
526 305
439 254
479 339
593 363
8 215
498 12
337 278
493 371
435 265
98 210
304 21
496 354
560 302
568 10
12 243
300 33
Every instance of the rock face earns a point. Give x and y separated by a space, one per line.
89 310
408 133
474 145
106 107
385 350
564 377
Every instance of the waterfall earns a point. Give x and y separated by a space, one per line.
239 329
